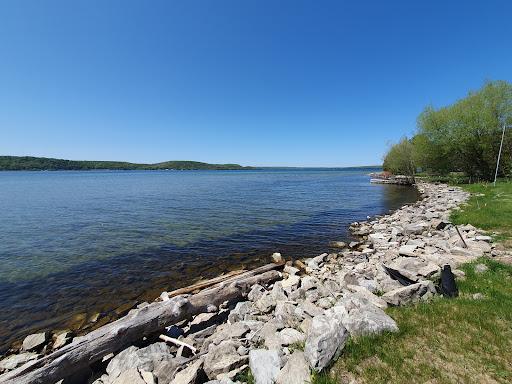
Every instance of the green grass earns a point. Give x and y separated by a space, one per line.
489 208
460 340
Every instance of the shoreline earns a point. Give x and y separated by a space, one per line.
59 303
374 248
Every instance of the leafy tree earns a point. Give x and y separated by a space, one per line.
400 158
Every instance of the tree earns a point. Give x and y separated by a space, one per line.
399 160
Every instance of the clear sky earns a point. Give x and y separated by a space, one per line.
295 83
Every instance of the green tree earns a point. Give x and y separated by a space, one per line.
465 136
399 160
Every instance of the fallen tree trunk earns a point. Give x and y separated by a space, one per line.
228 277
118 335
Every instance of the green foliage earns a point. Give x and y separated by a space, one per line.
400 159
245 376
489 208
18 163
462 137
461 340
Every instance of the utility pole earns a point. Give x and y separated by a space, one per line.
499 153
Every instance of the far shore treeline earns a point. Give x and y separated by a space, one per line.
28 163
461 138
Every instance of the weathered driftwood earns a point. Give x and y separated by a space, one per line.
119 334
205 284
177 342
228 277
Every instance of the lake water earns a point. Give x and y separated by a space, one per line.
76 243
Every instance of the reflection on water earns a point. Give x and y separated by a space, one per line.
81 242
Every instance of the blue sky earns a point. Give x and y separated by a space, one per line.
295 83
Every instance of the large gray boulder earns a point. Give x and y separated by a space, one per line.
265 365
410 294
326 338
295 371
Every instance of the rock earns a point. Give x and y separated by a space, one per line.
165 370
308 282
354 244
265 303
487 239
311 309
291 281
130 376
148 377
278 292
256 292
277 258
228 331
62 339
295 371
325 340
15 361
338 244
410 294
416 229
413 268
481 268
367 319
223 358
407 250
240 311
265 365
478 296
286 314
291 270
146 359
290 336
35 341
190 374
365 293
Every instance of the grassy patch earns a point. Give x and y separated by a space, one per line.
245 377
489 208
461 340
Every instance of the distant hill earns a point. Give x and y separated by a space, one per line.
28 163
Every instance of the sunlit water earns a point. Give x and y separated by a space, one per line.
81 242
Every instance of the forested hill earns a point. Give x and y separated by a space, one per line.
21 163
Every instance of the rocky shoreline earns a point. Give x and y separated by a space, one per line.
284 330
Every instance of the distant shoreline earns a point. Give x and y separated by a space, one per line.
30 163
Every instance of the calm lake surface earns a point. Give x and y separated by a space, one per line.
76 243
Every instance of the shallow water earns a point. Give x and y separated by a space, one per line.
74 243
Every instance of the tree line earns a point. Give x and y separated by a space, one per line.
25 163
462 137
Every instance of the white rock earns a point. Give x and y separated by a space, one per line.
325 340
295 371
291 281
35 341
265 365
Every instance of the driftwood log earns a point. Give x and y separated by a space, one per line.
119 334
